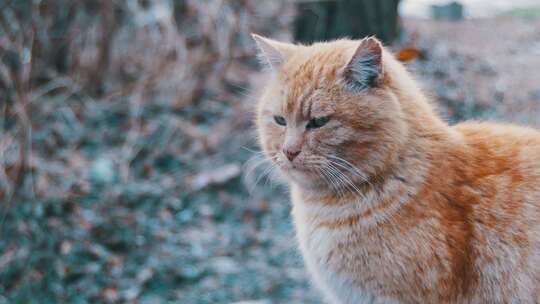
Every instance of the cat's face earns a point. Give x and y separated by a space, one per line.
327 115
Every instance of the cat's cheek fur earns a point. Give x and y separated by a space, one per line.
335 136
271 138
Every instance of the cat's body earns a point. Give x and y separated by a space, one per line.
470 232
390 204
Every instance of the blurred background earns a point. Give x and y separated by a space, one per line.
129 170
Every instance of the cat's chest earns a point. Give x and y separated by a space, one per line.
355 263
327 249
334 266
328 243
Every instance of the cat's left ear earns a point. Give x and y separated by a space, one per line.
365 68
273 53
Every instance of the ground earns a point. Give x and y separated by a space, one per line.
490 64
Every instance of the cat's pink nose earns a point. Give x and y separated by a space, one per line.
291 153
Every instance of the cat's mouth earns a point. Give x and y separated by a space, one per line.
296 168
299 167
299 170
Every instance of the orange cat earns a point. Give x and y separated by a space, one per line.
391 204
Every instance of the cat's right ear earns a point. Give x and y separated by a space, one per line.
272 53
365 69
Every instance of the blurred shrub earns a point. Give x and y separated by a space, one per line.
107 108
58 56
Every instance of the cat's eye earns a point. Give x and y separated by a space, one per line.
280 120
317 122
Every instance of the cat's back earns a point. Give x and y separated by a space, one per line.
503 147
488 131
487 207
499 169
501 185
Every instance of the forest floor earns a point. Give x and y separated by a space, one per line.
188 225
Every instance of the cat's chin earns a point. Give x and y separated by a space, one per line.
303 177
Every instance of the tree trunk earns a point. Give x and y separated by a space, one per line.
331 19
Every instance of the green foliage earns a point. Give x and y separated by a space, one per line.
529 13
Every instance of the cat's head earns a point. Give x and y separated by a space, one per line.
330 112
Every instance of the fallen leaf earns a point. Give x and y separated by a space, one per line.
408 54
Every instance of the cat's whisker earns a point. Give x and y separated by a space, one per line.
345 179
350 167
334 182
323 175
328 176
255 161
272 177
339 186
264 174
342 186
252 151
253 164
357 171
348 170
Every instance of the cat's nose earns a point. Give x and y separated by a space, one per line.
291 153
